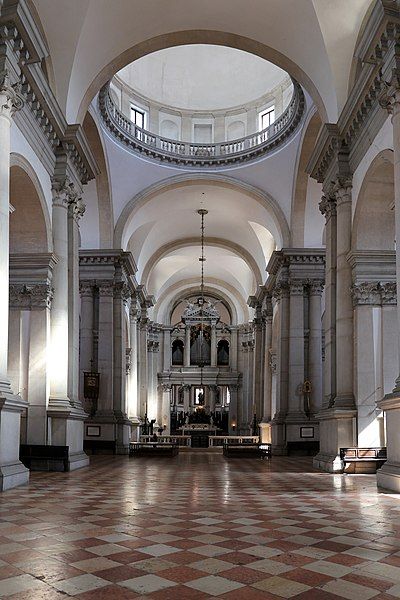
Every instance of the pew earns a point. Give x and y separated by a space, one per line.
363 460
247 450
153 449
44 457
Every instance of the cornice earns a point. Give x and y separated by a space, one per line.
24 49
340 148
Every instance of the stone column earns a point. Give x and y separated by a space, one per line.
186 350
213 345
167 355
212 396
105 350
296 350
315 346
123 426
133 413
258 365
38 376
337 419
233 348
281 295
143 367
186 398
166 408
265 427
233 409
388 476
367 361
344 305
87 320
328 209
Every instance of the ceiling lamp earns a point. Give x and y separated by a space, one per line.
202 212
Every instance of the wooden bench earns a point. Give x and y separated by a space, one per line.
100 446
231 450
363 460
153 449
44 457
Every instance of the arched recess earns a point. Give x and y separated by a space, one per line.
300 187
106 217
281 231
373 224
199 36
30 224
209 241
238 307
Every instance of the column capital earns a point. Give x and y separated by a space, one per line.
296 287
106 288
366 293
327 206
390 95
30 297
65 194
316 286
86 289
342 190
389 293
11 99
281 290
166 387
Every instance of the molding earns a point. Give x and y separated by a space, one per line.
23 51
193 155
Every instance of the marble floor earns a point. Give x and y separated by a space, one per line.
199 526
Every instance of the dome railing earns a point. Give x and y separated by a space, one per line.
191 154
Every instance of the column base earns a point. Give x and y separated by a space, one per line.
12 472
67 429
108 432
13 475
278 436
388 477
337 431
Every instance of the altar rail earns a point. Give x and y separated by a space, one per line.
181 440
190 154
222 440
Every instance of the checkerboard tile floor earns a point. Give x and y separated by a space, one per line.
199 526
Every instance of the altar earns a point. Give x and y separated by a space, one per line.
199 433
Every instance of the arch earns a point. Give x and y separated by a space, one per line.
26 192
105 206
301 179
375 205
223 353
281 233
178 291
200 36
210 241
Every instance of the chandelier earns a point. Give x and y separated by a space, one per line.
202 212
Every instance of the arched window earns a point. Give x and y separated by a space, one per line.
223 353
177 352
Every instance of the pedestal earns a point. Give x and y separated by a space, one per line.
265 433
337 430
12 471
388 476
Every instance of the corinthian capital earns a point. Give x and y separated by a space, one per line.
327 206
11 98
390 95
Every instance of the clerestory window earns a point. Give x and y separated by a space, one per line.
137 116
267 117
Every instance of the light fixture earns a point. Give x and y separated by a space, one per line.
202 212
